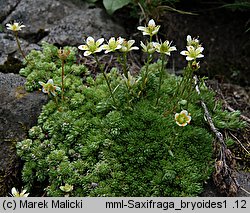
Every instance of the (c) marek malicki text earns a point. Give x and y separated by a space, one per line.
55 204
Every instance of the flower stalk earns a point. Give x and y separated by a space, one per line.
19 47
92 47
106 78
164 49
160 79
193 52
62 94
150 30
149 49
145 75
126 47
15 27
63 55
124 64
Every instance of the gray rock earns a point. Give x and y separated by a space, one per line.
41 14
244 181
61 22
6 7
18 113
74 28
9 47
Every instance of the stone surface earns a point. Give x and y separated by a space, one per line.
40 14
9 47
6 7
74 28
18 113
243 179
61 22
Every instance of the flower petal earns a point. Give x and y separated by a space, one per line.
184 112
44 90
173 48
141 28
184 52
120 40
87 53
50 81
189 39
105 46
176 115
200 49
41 83
188 58
14 191
200 56
190 48
99 41
134 48
151 23
130 42
144 47
99 49
57 88
90 40
145 33
83 47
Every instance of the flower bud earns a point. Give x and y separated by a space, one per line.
63 54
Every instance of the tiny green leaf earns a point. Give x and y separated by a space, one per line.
171 153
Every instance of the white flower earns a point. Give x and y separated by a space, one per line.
128 46
151 29
183 118
192 53
92 46
15 193
66 188
16 26
112 45
121 40
193 42
149 48
164 48
49 87
130 81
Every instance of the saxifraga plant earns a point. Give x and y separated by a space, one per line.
83 146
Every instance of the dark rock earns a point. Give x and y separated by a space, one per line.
6 7
41 14
9 47
61 22
222 33
244 181
10 56
18 113
73 29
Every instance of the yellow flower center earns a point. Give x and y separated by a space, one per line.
182 119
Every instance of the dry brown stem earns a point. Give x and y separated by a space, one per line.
224 175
